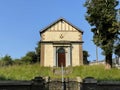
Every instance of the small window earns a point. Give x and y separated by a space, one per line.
61 50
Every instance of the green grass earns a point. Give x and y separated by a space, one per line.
97 71
23 72
28 72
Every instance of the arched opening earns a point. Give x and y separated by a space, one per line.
61 57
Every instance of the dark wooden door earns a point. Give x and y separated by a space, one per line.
61 57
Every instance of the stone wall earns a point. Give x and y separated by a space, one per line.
92 84
36 84
68 84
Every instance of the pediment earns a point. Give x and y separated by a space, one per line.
61 25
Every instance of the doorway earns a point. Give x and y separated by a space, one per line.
61 57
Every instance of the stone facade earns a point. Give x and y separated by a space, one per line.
61 44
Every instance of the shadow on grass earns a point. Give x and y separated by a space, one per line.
2 78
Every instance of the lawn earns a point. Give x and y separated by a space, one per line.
28 72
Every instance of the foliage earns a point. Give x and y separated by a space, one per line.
17 62
101 14
29 58
26 60
117 45
6 60
85 56
97 71
37 49
117 49
33 56
23 72
28 72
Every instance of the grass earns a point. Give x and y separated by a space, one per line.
28 72
98 72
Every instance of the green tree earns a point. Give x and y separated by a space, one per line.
33 56
85 56
30 58
6 60
117 45
101 14
38 51
17 62
26 60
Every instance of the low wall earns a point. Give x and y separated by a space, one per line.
92 84
36 84
88 83
39 83
66 85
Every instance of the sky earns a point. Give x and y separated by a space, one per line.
21 21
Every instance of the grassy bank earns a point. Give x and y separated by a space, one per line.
28 72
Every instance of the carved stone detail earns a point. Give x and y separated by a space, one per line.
61 36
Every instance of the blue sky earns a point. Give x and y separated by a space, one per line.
21 21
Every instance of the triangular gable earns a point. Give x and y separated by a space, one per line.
61 25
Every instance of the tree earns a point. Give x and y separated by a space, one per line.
117 45
38 51
17 62
30 57
26 60
101 14
33 56
6 60
85 56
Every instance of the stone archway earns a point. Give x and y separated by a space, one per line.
61 57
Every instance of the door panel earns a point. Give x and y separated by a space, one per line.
61 58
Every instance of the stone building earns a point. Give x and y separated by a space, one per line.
61 45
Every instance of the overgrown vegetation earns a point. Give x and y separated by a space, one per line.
101 15
31 57
28 72
85 57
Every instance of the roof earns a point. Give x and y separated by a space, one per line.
61 19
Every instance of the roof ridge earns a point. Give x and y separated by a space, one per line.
44 29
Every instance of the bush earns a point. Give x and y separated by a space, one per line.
6 60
